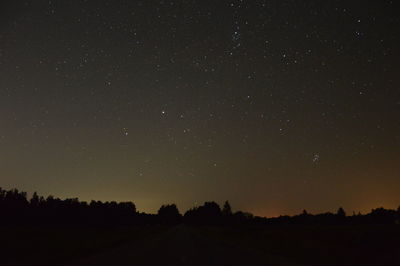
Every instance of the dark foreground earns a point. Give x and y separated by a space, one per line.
185 245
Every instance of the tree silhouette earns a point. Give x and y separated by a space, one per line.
16 209
35 200
227 210
209 213
169 214
340 212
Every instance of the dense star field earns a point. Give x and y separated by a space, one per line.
276 106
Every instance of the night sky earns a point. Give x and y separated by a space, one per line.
276 106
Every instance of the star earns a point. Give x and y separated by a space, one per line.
316 158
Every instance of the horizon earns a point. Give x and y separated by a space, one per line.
234 209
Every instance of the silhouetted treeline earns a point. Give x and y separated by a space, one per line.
17 209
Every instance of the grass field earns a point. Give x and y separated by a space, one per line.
186 245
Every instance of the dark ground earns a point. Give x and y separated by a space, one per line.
186 245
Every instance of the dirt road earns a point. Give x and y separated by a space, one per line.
182 245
